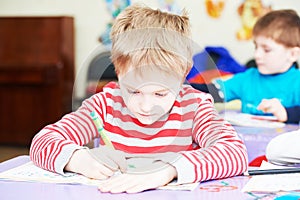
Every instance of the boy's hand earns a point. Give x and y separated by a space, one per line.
133 183
147 162
275 107
111 158
87 163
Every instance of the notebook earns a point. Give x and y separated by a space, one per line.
244 119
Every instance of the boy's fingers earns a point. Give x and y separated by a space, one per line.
113 159
265 107
119 160
100 176
101 157
108 162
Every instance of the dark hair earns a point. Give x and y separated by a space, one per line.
283 26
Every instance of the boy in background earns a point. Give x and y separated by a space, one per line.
273 88
149 111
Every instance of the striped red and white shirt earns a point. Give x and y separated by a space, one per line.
209 146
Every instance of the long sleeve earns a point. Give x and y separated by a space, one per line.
53 146
221 153
293 114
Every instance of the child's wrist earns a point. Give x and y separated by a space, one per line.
172 172
75 160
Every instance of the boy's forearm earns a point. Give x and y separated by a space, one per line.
220 161
51 149
222 153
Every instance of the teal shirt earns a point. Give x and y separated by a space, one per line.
251 87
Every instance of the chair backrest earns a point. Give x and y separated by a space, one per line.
101 67
100 71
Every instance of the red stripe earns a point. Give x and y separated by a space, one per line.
71 136
233 159
75 134
228 160
158 124
76 123
137 134
237 164
91 128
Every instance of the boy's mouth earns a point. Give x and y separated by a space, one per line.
145 115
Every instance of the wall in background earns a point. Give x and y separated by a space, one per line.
92 16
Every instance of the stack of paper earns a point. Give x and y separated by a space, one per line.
273 182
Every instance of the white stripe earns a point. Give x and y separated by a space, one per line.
162 141
196 95
113 91
117 106
179 110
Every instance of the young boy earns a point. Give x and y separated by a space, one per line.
274 86
148 112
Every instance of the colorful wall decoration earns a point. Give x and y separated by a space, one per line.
249 11
170 6
214 8
114 7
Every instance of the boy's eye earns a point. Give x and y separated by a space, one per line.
133 91
267 50
161 94
158 94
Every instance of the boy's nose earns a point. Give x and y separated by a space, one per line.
257 54
146 105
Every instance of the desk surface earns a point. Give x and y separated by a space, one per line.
255 139
12 190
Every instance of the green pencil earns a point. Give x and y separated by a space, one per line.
101 130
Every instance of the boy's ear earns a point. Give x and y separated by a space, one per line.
295 53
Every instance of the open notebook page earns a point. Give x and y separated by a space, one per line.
30 172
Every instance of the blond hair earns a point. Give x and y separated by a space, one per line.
283 26
144 36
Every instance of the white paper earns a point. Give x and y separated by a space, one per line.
32 173
243 119
273 182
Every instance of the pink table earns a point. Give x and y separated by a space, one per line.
12 190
